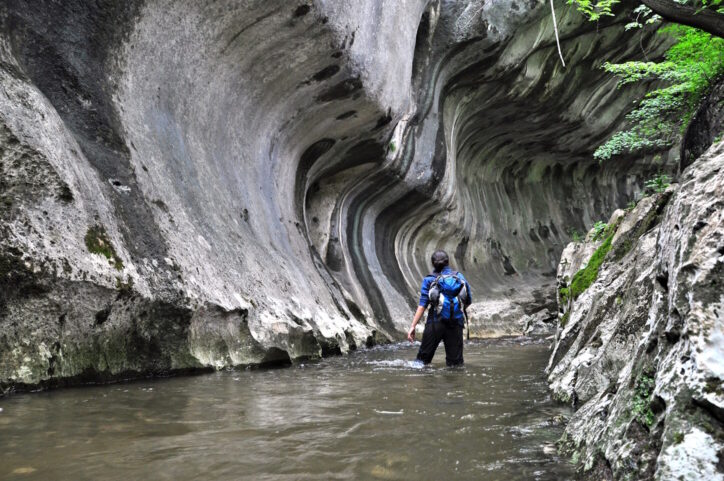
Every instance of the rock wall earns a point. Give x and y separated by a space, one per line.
189 185
639 353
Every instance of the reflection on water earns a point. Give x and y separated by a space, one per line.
372 415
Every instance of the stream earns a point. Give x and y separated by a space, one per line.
371 415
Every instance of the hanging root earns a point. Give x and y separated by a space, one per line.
555 29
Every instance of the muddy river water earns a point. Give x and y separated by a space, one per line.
370 415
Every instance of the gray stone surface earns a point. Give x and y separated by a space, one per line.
270 177
641 354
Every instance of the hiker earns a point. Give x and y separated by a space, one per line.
448 294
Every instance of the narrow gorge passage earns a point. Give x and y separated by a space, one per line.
221 187
268 178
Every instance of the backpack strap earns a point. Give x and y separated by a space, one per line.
434 284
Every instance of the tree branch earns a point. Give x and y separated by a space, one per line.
705 19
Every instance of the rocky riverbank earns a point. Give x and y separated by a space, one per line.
640 345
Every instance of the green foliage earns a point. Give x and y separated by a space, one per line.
658 184
644 16
564 319
392 147
575 235
690 67
632 72
627 141
585 277
97 242
631 206
594 10
563 294
125 287
641 408
599 229
716 5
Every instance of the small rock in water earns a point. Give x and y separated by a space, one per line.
549 449
24 470
559 419
401 411
382 472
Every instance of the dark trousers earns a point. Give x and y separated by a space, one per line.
451 336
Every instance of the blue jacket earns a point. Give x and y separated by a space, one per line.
425 290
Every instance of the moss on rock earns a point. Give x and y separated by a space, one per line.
643 391
583 279
97 242
564 318
564 293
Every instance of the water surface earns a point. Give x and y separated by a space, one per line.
370 415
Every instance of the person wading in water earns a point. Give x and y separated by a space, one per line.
448 294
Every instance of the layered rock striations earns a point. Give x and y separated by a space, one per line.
516 139
189 185
639 352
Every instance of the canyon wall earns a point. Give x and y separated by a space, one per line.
639 352
190 185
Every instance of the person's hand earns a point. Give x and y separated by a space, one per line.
411 334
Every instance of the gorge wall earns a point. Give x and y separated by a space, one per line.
639 353
192 185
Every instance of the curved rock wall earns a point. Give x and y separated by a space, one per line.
195 184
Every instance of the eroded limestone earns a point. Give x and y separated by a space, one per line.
640 355
281 171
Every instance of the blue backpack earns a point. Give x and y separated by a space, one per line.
448 295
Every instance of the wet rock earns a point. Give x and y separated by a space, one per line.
639 352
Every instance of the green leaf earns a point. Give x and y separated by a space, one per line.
594 10
688 70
